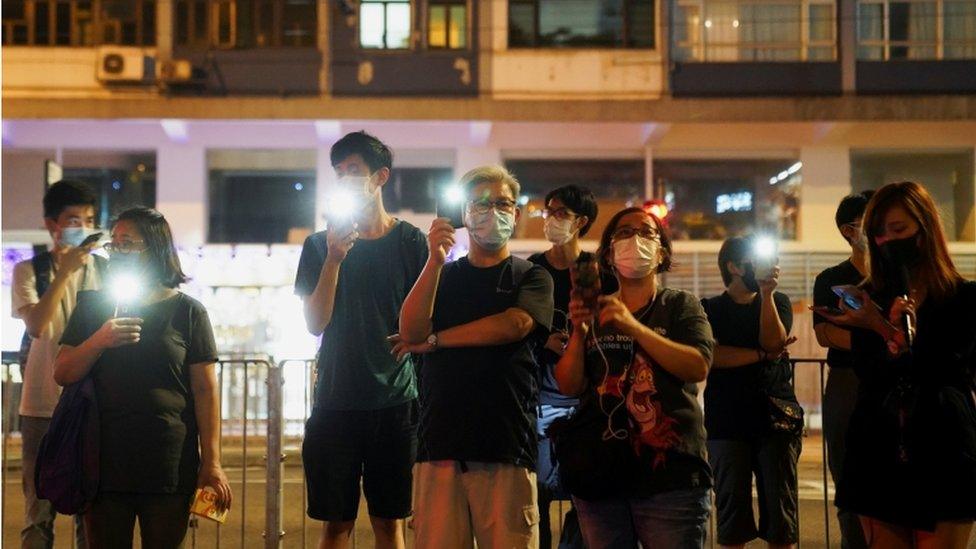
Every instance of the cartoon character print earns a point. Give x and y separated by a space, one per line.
655 430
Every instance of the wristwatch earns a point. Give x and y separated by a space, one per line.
432 340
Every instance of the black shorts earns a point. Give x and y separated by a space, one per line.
378 447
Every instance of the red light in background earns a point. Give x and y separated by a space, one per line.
657 208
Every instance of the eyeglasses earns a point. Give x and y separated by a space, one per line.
558 213
483 206
126 247
623 233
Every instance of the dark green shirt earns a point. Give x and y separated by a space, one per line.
355 368
149 437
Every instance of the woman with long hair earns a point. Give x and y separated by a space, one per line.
910 469
151 355
633 455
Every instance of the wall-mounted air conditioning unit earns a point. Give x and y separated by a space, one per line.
121 64
174 71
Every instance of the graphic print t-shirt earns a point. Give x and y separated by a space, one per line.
655 409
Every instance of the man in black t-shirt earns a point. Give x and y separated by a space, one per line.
476 320
353 279
840 393
751 324
569 213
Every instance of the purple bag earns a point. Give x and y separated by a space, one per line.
66 473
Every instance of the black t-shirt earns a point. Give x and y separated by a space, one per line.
735 398
355 368
658 411
823 296
478 403
562 285
149 437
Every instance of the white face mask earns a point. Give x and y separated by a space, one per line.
359 184
490 230
74 236
635 257
558 231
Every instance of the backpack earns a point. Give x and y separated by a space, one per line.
42 281
66 471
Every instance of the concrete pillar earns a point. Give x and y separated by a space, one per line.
181 191
826 179
165 30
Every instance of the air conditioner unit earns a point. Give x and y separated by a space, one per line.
174 71
121 64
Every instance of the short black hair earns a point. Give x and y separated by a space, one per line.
606 240
164 262
852 207
736 249
374 152
65 193
578 199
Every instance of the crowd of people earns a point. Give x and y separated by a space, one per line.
468 394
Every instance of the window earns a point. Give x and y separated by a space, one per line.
947 175
916 29
415 189
447 24
754 30
246 23
261 206
581 23
716 199
384 24
120 180
616 183
79 22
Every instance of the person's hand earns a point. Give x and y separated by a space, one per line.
401 348
768 285
117 332
867 316
212 475
901 307
614 313
557 342
784 351
71 259
580 315
340 241
440 240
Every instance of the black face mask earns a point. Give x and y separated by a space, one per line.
749 278
901 252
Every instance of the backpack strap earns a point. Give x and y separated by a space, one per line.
42 271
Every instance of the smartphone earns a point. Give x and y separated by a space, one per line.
585 277
849 294
453 210
92 238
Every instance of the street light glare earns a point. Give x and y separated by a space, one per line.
126 287
341 204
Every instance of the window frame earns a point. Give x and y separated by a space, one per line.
96 21
886 43
212 12
624 29
447 5
411 37
702 46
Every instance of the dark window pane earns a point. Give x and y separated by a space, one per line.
182 23
256 206
581 23
264 26
640 23
415 189
129 37
201 32
13 9
521 25
62 35
148 23
299 24
42 24
120 181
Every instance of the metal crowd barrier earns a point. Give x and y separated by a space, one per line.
254 395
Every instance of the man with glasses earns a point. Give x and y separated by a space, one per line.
568 215
476 320
45 292
841 390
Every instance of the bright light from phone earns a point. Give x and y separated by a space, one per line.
454 194
765 247
341 204
126 288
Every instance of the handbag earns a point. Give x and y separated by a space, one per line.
784 415
67 468
592 466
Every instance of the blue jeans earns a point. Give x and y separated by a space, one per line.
38 532
677 520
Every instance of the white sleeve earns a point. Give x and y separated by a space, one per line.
23 288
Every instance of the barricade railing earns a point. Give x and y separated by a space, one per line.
263 399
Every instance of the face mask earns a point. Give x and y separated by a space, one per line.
558 231
859 240
749 278
635 257
74 236
490 230
360 185
899 253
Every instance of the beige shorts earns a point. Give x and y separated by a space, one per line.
493 503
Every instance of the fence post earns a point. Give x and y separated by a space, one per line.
274 459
